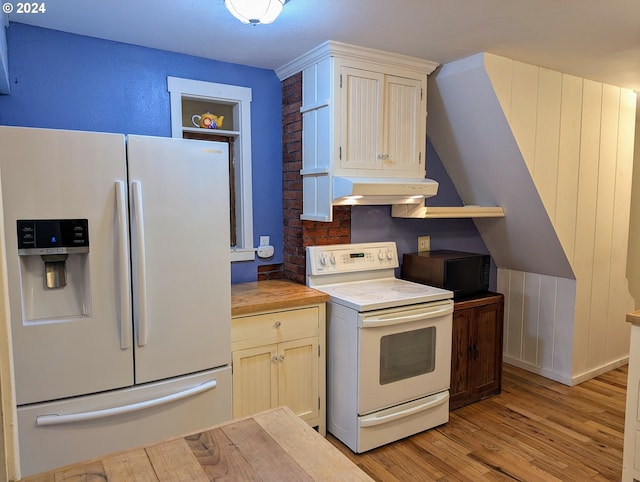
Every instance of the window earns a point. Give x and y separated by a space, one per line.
193 97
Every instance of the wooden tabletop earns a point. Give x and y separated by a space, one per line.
270 446
247 298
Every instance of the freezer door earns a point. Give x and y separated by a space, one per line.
180 255
76 339
60 433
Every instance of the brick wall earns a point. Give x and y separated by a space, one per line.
270 271
298 234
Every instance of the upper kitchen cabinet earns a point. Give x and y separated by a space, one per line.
382 124
363 121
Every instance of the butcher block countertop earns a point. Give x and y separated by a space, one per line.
275 445
247 298
634 317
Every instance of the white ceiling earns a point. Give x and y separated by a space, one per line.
594 39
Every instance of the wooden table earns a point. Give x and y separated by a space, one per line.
273 445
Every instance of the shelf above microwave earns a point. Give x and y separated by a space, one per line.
433 212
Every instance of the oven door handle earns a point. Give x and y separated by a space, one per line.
394 319
434 401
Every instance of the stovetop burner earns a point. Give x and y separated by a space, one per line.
383 293
362 277
357 293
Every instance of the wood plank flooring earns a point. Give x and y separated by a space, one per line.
535 430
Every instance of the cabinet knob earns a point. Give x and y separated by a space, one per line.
278 324
383 156
281 357
274 358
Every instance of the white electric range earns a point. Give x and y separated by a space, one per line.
388 345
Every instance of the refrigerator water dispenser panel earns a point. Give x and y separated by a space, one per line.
54 269
53 236
53 240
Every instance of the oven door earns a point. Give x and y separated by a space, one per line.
404 354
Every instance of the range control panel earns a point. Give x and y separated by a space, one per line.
350 258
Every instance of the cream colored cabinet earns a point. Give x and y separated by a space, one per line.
363 117
279 359
382 123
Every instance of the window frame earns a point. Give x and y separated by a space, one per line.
240 98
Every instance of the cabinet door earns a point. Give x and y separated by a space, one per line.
403 144
361 119
298 367
476 357
460 388
486 347
255 380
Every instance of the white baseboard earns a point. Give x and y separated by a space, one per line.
567 379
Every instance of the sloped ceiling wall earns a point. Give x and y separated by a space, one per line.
472 136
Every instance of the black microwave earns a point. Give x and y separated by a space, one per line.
466 274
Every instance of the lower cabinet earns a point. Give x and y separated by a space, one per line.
279 359
476 356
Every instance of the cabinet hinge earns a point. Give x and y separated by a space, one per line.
419 157
421 94
318 403
340 153
341 81
318 351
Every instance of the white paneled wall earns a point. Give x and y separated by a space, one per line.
576 138
538 322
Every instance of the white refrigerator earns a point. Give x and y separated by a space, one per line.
119 285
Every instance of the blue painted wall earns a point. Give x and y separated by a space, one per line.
66 81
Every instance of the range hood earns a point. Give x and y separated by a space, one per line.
370 191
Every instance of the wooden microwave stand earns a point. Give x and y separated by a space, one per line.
476 352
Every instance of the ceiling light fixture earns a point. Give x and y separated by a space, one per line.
255 11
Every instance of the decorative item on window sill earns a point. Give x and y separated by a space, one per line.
255 11
207 120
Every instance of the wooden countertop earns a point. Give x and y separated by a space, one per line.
247 298
634 317
271 445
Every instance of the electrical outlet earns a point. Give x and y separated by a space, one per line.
424 243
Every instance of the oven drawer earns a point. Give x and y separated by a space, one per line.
394 423
275 327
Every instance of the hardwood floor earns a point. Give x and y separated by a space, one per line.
535 430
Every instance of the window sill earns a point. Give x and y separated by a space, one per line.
248 254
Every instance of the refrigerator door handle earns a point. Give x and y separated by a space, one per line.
123 266
55 419
141 294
